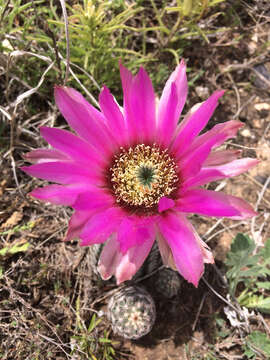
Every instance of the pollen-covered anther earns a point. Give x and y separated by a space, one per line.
140 176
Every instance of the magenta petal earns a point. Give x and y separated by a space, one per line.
222 132
113 262
60 172
57 194
192 161
72 145
115 119
186 251
187 116
165 252
130 263
212 203
101 226
179 78
77 223
87 121
126 79
196 122
139 106
168 124
205 176
206 252
171 104
127 234
133 231
221 157
234 168
109 258
39 156
165 204
91 200
142 102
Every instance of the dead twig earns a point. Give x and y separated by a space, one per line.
198 312
256 235
64 10
219 296
243 106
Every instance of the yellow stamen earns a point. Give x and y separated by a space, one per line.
140 176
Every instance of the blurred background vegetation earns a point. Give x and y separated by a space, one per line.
139 32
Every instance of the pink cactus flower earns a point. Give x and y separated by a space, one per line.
133 174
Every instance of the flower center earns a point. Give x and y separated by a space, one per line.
140 176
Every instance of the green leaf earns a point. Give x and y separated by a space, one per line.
251 270
242 244
93 323
14 249
79 324
263 285
265 251
104 340
19 228
252 301
257 342
239 259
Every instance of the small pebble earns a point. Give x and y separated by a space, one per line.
262 106
202 92
245 133
258 82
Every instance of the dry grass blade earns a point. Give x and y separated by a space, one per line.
30 92
64 10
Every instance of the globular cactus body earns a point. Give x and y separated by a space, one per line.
94 255
168 282
132 312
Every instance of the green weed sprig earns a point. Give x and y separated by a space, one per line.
252 270
91 340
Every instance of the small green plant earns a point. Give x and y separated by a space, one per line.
14 249
10 14
99 37
251 270
91 340
185 25
221 330
101 33
257 344
193 9
18 228
108 352
24 31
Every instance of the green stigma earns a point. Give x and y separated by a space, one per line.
146 175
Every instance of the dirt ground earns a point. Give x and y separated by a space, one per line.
40 287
